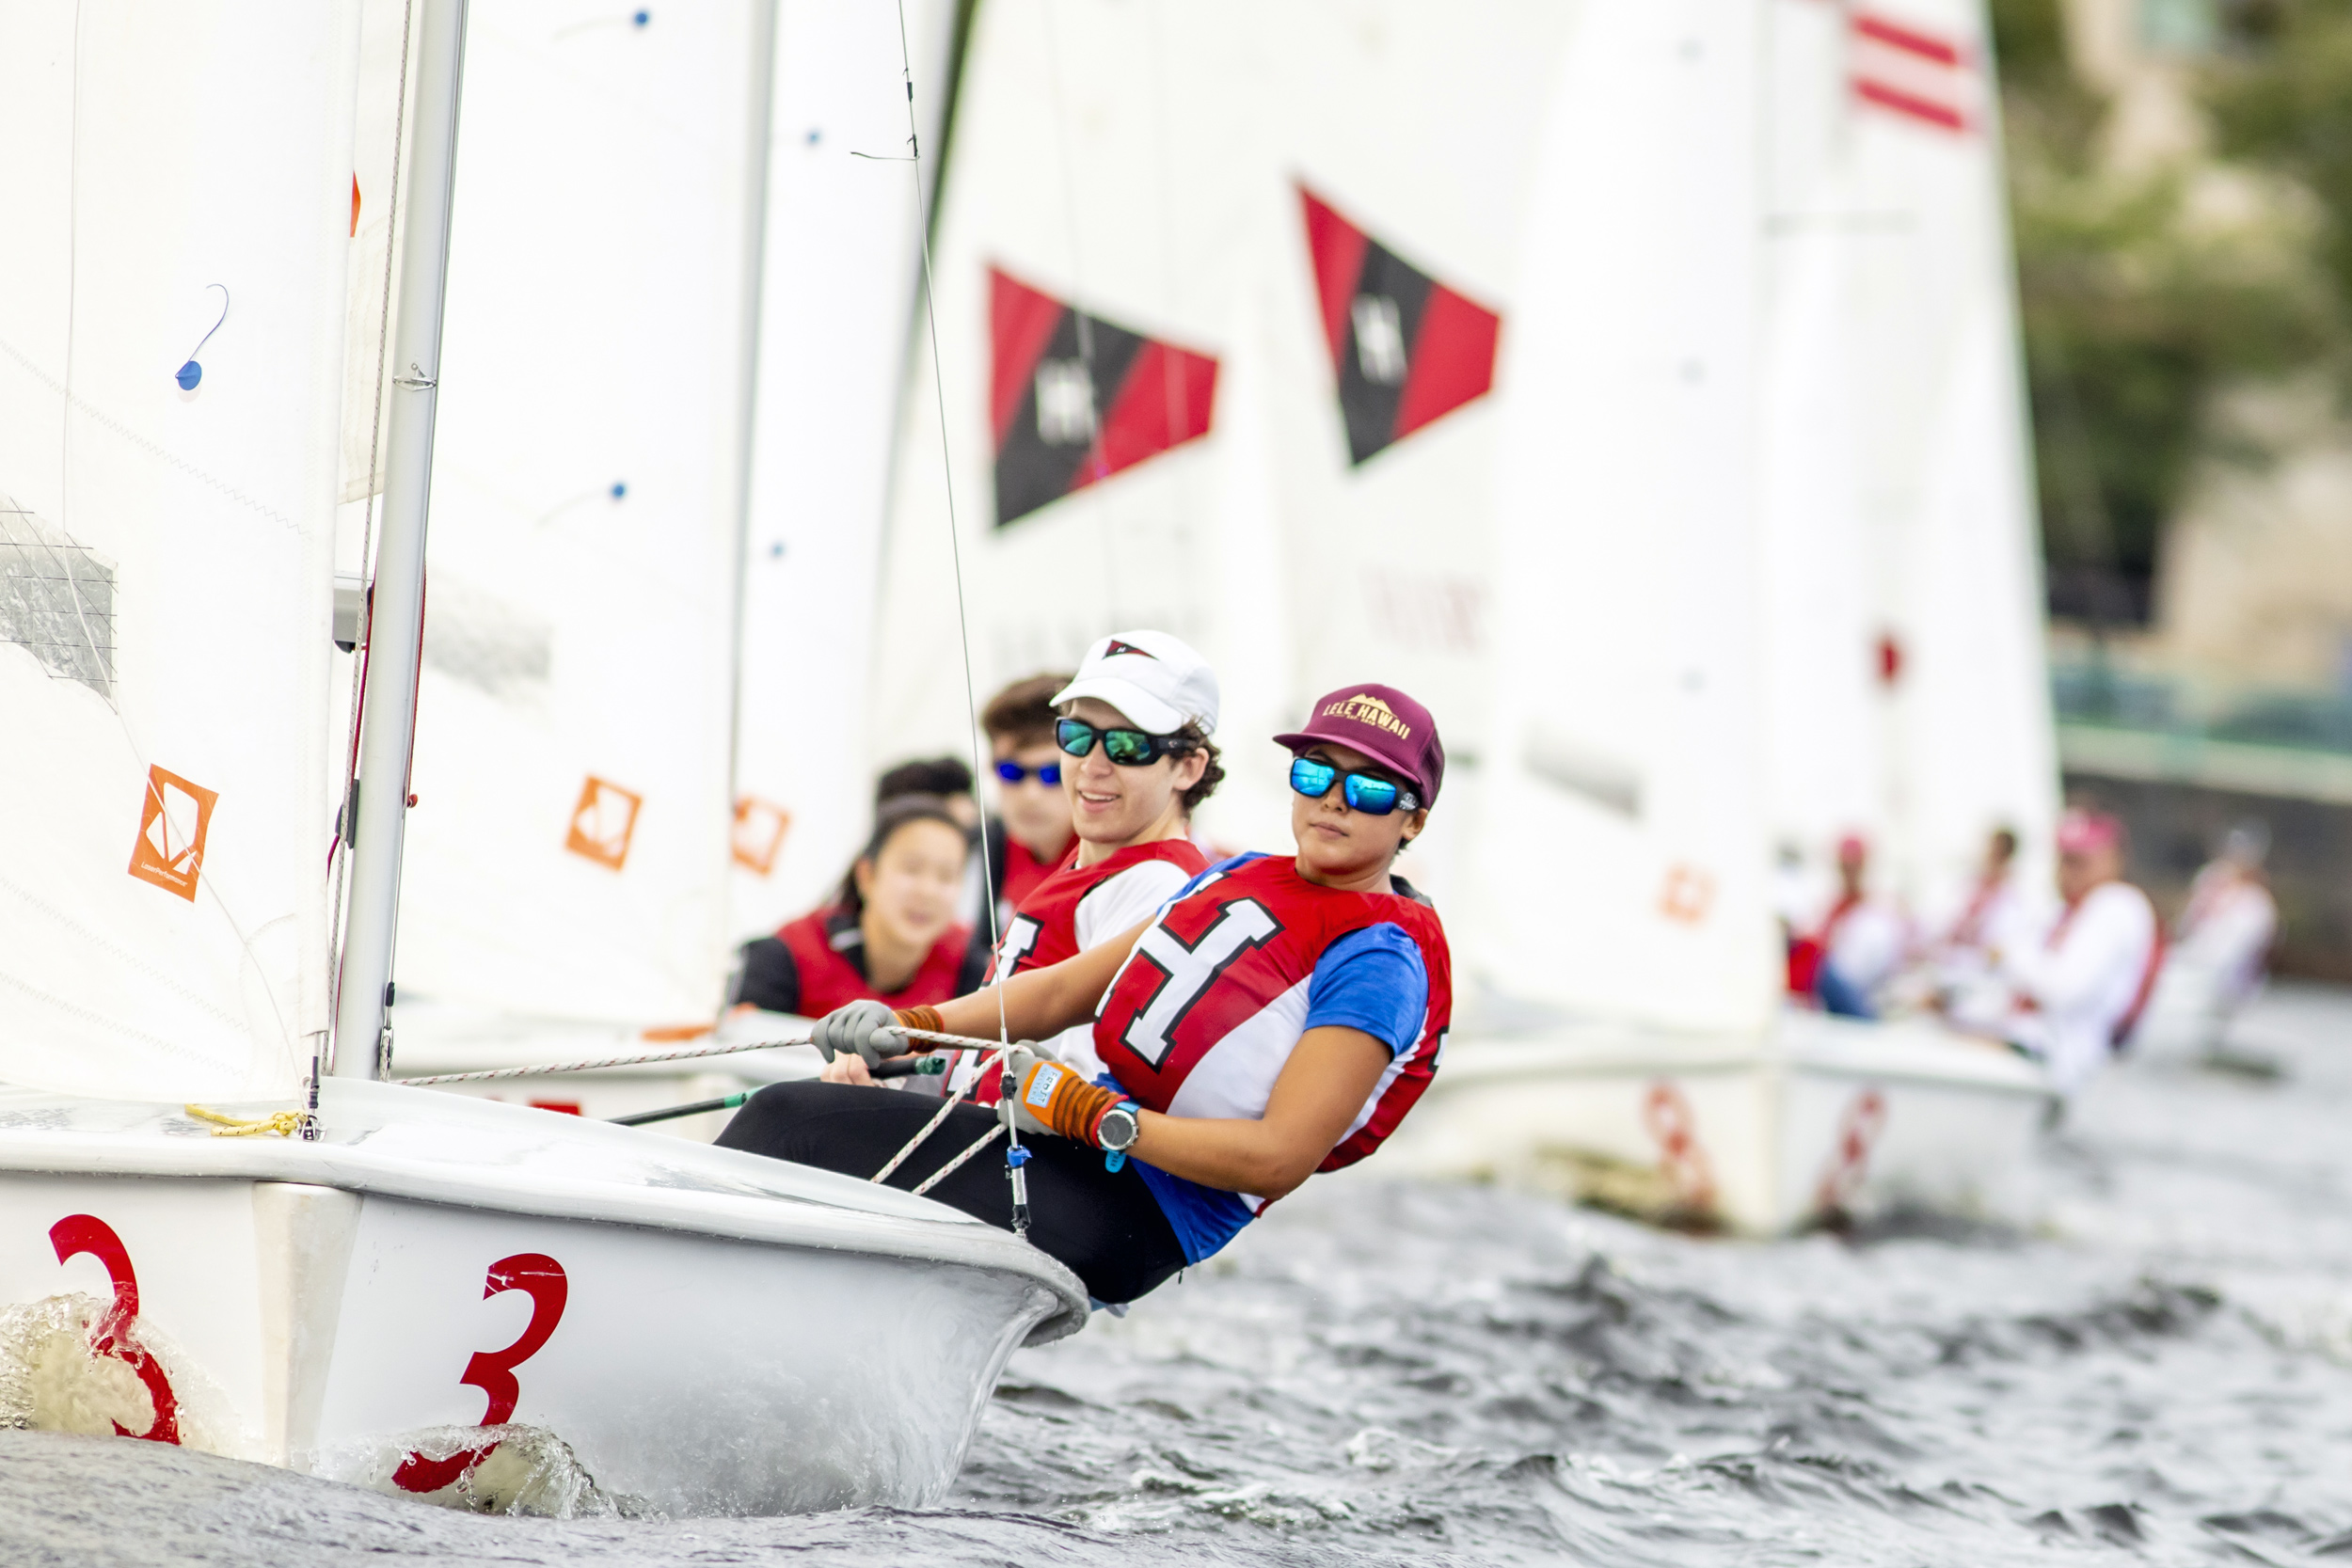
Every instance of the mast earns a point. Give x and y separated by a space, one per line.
397 614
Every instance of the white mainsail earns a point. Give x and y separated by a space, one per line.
1080 178
1907 700
1292 195
567 858
175 175
1949 490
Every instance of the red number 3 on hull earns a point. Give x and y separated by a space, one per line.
542 1279
77 1234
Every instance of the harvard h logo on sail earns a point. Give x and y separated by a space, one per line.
1074 399
1365 708
1407 350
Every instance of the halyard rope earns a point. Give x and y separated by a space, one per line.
283 1124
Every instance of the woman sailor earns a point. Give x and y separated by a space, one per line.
1277 1018
889 933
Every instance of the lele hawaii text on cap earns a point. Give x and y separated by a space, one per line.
1156 680
1384 724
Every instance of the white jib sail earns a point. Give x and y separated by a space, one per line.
170 473
567 855
1619 861
843 266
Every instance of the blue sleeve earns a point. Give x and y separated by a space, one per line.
1372 980
1232 863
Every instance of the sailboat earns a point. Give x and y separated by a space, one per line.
220 1227
1502 377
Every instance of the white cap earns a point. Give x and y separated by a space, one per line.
1155 679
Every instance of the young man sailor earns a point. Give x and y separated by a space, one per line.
1130 731
1277 1018
2080 990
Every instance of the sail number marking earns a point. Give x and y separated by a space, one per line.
110 1336
542 1279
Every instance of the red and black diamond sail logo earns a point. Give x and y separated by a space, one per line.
1075 398
1409 350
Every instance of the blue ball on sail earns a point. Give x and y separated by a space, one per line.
188 375
619 489
640 19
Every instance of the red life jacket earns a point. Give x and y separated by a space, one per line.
1045 931
1806 953
829 978
1213 1001
1021 871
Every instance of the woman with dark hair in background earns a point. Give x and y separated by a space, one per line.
890 934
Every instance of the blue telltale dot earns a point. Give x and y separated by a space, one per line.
775 551
619 489
188 375
640 19
814 136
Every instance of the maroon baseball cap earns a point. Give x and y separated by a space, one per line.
1384 724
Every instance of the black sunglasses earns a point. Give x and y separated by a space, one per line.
1125 747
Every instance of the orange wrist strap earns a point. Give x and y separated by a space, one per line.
927 1018
1066 1103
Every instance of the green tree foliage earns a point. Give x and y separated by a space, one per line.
2136 312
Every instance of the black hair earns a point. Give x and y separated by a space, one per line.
931 776
2005 839
889 817
1212 775
1023 711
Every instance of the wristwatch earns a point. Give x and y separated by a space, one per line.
1116 1132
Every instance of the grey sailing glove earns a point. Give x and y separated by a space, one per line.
1019 1066
867 1029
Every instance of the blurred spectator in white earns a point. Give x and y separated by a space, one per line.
1962 965
1855 948
2080 991
2220 943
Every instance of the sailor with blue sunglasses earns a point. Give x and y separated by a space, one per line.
1278 1017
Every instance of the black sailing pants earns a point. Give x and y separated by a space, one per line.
1106 1225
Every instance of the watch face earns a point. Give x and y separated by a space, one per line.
1119 1128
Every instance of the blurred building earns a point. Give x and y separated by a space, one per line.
2225 691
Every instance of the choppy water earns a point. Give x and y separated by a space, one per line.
1386 1375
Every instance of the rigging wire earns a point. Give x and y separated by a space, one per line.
1015 1156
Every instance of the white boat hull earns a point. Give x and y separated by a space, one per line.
1821 1118
648 1327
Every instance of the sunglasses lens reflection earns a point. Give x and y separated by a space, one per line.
1373 797
1310 778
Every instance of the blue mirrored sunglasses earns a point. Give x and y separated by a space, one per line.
1048 773
1362 792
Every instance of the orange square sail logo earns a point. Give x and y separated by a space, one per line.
603 822
759 829
173 821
